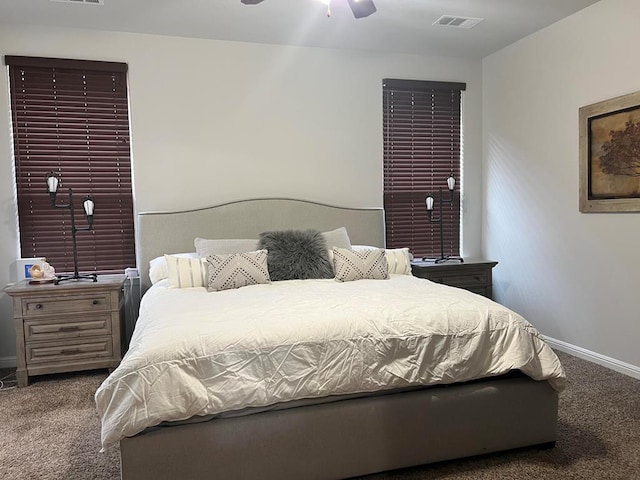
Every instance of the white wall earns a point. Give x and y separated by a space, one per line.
575 276
218 121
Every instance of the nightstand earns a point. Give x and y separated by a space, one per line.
68 327
473 275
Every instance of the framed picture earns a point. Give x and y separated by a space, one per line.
23 265
610 155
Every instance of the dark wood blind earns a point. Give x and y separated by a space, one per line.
422 147
71 117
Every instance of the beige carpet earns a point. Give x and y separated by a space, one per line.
50 431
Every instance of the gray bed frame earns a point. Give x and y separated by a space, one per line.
340 439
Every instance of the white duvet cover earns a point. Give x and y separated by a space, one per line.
198 353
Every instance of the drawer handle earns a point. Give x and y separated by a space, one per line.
70 351
96 302
38 306
69 329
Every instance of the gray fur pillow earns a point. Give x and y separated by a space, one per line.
296 254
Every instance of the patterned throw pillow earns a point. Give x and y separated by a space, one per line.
398 259
185 272
352 265
237 270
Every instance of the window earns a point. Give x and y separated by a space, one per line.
71 117
422 147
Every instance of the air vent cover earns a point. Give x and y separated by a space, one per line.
460 22
86 2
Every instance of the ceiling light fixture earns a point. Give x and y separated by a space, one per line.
328 4
84 2
360 8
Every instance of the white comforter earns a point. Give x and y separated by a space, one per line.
198 353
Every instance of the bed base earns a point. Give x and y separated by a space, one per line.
351 437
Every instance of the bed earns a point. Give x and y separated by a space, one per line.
335 425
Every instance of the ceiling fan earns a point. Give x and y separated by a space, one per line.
360 8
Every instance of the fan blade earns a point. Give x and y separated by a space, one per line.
362 8
251 2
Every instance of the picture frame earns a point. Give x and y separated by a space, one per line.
23 265
609 171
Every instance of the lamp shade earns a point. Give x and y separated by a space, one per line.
88 204
429 202
451 182
53 180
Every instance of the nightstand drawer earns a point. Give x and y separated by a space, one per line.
475 278
39 306
69 351
485 291
56 329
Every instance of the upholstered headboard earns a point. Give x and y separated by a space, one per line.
174 232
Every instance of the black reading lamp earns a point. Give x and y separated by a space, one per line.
429 201
53 180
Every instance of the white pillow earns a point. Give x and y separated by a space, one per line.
224 246
398 259
185 272
337 238
158 266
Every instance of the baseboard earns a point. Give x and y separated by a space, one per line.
8 362
612 363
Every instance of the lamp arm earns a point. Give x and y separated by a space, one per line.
54 203
433 219
85 229
451 196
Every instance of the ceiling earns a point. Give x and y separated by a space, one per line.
399 26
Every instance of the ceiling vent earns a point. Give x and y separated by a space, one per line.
86 2
460 22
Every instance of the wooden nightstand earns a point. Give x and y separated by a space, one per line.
472 275
68 327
